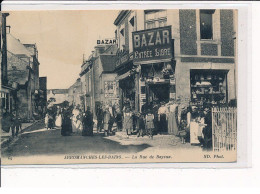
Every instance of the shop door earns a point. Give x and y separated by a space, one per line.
159 93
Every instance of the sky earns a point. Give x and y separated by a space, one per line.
62 37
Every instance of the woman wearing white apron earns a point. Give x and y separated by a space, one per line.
76 121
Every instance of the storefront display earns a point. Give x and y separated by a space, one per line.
208 86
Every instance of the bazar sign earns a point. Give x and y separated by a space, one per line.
152 44
106 41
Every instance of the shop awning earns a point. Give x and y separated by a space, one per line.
123 76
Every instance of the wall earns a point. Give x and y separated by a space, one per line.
188 34
227 29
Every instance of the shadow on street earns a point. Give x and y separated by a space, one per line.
37 140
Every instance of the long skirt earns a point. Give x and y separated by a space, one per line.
77 126
163 123
58 121
88 130
128 125
66 127
172 124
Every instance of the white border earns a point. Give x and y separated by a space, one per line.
244 71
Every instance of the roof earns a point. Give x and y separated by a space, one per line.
16 47
108 62
120 16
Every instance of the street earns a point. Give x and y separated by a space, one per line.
38 141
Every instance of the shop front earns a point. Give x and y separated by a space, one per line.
126 80
209 87
155 67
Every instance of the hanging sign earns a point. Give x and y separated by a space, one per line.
152 44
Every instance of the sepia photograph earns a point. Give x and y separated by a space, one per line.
118 86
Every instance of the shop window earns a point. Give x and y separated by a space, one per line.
206 24
208 86
155 18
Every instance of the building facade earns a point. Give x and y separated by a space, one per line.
98 78
176 54
7 90
23 72
75 94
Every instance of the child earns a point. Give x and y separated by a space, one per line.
46 120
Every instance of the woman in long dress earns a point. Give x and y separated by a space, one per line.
128 122
107 118
87 123
66 127
172 121
76 121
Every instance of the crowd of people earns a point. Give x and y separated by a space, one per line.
71 119
154 118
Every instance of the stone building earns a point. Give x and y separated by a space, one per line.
176 54
23 71
75 93
7 90
98 78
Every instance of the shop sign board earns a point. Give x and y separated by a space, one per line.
107 41
153 44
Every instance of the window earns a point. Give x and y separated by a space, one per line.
155 18
110 88
206 27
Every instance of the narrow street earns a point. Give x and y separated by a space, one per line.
38 141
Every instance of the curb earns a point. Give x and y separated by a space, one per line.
11 139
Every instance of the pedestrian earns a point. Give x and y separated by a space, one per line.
100 118
66 125
46 120
128 122
58 120
149 124
172 119
140 125
118 118
87 123
77 120
106 121
112 118
162 112
207 130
